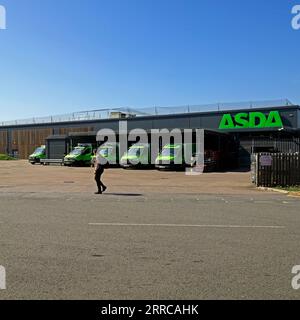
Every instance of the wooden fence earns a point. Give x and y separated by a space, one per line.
276 169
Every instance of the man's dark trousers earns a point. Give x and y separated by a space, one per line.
98 175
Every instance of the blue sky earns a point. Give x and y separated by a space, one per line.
59 56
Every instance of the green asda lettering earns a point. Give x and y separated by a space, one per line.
251 120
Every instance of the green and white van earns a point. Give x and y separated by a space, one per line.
172 156
138 155
38 155
110 152
79 156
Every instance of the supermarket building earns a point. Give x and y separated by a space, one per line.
272 126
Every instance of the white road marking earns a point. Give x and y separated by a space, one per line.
263 202
183 225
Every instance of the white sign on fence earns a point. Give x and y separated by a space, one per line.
266 161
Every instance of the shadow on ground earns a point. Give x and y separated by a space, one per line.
123 194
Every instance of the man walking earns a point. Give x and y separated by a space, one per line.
99 169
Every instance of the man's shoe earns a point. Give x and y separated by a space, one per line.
104 189
99 192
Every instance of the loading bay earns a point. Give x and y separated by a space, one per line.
153 235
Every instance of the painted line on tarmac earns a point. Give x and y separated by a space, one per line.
183 225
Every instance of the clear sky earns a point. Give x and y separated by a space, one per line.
59 56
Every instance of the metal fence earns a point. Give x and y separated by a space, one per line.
152 111
277 169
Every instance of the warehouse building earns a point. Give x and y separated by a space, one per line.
272 126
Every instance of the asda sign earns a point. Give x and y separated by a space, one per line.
251 120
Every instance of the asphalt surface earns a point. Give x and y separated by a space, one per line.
148 245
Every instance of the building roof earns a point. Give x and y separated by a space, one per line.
104 114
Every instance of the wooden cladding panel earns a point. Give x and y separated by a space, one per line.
3 141
25 141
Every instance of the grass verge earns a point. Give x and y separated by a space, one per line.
290 189
6 157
